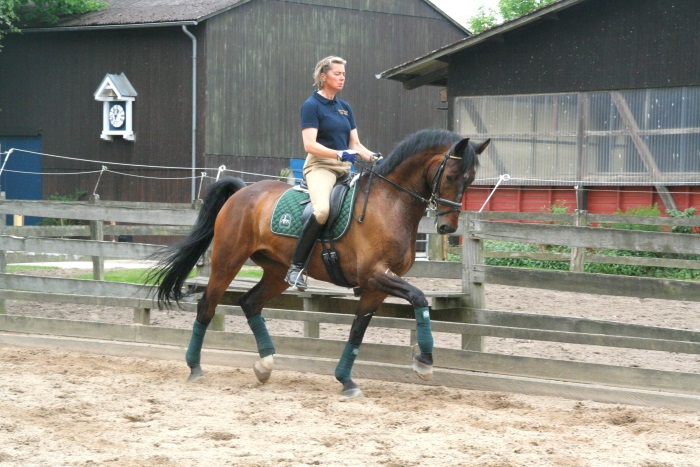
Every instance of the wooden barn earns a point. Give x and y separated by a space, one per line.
145 95
590 104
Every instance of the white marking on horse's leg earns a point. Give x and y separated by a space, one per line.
263 368
424 372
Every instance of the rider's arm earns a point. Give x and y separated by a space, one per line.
315 148
355 144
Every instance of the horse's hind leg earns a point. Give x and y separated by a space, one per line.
219 281
252 302
369 302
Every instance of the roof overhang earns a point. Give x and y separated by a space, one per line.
110 26
431 69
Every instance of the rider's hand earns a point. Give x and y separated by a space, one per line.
348 155
377 158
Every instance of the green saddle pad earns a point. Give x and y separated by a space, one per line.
286 218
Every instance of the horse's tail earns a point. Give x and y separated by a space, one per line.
176 261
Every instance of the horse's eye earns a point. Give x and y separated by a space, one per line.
450 178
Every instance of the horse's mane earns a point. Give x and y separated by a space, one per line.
414 144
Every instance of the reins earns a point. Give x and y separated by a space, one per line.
432 202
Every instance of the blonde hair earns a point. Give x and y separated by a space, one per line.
323 66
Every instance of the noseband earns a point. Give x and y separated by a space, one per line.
435 198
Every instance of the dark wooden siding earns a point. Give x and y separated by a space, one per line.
597 45
255 64
262 54
54 76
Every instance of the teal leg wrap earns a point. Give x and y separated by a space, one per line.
342 371
425 334
194 350
262 337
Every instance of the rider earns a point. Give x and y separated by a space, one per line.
331 140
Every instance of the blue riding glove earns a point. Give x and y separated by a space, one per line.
348 155
377 158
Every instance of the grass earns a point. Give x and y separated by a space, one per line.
15 268
132 276
138 276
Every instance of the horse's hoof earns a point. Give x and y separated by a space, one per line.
351 390
196 374
263 368
424 372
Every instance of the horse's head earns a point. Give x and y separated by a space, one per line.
450 175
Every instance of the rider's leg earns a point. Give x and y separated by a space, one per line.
320 183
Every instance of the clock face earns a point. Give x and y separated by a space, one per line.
116 115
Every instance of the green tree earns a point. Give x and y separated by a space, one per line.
15 14
507 10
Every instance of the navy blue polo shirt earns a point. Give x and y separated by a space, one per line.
333 119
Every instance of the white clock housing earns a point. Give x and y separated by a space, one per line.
118 96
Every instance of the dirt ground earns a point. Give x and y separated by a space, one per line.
68 408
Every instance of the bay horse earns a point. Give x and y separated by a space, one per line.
429 169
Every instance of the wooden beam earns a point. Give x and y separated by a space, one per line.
643 149
601 284
427 78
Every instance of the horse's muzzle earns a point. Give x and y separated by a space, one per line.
444 229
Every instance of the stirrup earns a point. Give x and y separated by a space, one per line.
299 283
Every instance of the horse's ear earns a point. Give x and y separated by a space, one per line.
461 146
482 147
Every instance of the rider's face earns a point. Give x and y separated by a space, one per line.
334 77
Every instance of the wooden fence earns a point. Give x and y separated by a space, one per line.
464 312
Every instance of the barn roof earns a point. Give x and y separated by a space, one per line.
145 12
431 69
124 13
148 11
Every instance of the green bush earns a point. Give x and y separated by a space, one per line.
560 207
685 214
68 197
641 211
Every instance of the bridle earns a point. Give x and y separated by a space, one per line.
435 198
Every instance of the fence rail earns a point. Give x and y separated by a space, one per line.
469 315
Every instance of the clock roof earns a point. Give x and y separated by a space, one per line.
115 87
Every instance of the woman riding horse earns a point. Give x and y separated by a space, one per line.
331 140
430 169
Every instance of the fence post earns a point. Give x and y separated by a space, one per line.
436 247
578 254
3 255
142 316
474 296
311 303
97 233
218 322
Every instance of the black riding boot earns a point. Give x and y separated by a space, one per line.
307 240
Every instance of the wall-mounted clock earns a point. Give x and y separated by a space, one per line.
117 96
117 114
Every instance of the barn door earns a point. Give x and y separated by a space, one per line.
21 177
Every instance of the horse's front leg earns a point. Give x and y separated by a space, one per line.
392 284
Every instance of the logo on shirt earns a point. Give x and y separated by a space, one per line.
343 112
